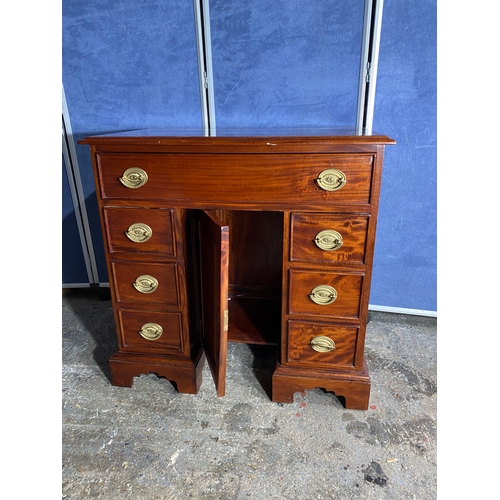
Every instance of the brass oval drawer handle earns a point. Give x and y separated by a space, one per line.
331 179
328 240
139 232
151 331
134 178
146 284
323 295
322 344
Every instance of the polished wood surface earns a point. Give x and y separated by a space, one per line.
185 374
258 140
351 387
268 180
213 248
131 322
301 333
234 219
119 220
126 273
256 242
347 286
305 228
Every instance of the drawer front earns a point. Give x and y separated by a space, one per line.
328 238
268 179
140 230
150 331
325 294
146 283
317 344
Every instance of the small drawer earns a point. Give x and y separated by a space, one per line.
140 230
328 238
317 344
325 294
146 283
237 178
150 331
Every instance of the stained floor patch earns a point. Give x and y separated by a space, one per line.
373 473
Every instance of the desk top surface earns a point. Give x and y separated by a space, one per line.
257 135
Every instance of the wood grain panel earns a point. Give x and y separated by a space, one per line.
255 247
131 323
264 179
300 352
348 287
118 220
306 226
213 240
126 273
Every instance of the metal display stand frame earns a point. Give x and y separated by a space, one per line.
372 25
78 200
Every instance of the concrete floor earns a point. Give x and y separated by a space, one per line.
149 442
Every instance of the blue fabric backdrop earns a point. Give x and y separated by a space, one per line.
286 62
133 64
405 268
127 64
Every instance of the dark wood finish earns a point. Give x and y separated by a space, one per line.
348 287
353 387
238 140
255 254
252 254
255 266
213 249
254 320
125 274
305 227
300 352
185 374
268 180
131 323
118 221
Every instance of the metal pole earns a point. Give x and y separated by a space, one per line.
364 64
77 194
205 74
375 46
369 65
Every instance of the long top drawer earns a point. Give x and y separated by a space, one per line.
237 178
